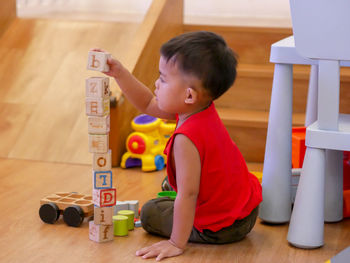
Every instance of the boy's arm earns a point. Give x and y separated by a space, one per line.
137 93
188 170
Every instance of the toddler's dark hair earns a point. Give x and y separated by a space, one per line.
206 56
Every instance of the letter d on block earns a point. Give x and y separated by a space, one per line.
104 197
108 197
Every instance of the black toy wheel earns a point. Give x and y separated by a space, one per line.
49 213
73 215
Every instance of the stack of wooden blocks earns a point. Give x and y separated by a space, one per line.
98 112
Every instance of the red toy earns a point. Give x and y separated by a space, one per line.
298 146
298 152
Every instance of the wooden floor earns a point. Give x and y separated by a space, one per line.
43 149
25 238
42 93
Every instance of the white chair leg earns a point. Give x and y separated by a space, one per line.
311 105
276 181
307 221
328 94
334 186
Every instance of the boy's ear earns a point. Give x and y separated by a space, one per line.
191 96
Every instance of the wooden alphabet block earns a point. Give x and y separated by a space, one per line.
102 179
134 206
97 87
97 106
98 143
100 233
103 215
120 205
102 161
98 61
104 197
98 125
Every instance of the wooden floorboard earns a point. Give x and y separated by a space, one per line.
42 74
25 238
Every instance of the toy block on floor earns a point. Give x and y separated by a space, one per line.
104 197
99 125
97 106
120 205
102 179
134 206
100 233
97 87
138 223
298 146
103 215
98 143
102 161
98 61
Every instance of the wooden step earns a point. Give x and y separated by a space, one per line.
252 89
248 129
254 84
7 14
252 44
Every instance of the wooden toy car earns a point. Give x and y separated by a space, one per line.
73 206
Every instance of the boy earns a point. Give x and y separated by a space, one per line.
217 198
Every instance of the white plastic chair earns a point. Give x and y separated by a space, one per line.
322 32
321 40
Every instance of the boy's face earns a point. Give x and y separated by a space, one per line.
170 87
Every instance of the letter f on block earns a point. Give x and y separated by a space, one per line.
105 232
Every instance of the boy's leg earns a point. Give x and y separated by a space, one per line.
233 233
157 216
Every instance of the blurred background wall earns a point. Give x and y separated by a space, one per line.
265 13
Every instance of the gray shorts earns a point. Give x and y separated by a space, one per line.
157 218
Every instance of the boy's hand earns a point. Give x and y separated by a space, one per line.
115 67
162 249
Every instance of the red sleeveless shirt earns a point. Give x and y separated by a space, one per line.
228 191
